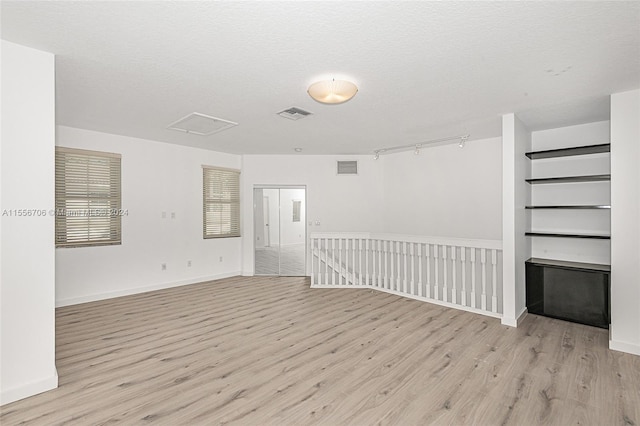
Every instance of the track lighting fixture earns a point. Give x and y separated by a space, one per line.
463 140
416 147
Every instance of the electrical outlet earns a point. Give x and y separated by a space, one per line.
188 263
164 215
164 266
173 215
220 258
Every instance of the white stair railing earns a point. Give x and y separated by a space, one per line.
459 273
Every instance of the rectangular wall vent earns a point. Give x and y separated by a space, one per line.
347 167
294 113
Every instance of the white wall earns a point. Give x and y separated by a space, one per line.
625 222
156 178
339 203
445 191
27 330
516 141
578 221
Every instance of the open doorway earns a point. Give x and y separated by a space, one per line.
280 231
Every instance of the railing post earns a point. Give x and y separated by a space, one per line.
366 262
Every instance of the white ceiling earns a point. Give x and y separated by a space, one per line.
425 70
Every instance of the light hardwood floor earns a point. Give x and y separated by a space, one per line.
272 351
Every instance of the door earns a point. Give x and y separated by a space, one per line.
280 230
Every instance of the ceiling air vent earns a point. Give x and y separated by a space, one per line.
347 167
294 113
201 124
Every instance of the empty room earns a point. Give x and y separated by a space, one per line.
322 212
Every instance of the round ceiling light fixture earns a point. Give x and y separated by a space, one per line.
332 91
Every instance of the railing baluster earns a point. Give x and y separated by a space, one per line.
333 261
380 283
404 259
413 269
366 262
385 246
494 281
420 289
359 261
436 288
374 263
473 277
392 277
326 261
454 289
463 270
346 261
427 253
445 286
398 283
483 262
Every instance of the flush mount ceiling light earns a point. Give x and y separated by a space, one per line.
332 91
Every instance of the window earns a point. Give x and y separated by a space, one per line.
297 205
221 202
88 202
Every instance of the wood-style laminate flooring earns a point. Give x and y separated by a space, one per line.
272 351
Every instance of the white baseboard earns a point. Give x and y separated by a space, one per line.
629 348
515 322
29 389
137 290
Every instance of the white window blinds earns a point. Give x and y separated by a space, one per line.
221 202
88 201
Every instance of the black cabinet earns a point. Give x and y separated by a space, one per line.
572 291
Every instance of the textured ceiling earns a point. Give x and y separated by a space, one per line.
425 69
